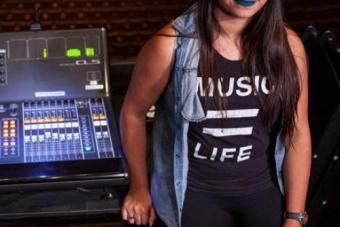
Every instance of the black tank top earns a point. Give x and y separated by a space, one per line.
231 152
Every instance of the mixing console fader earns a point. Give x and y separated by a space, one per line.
66 130
55 130
56 115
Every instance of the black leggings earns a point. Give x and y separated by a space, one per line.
261 209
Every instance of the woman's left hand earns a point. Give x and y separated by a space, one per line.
291 223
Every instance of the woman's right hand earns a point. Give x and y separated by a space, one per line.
137 208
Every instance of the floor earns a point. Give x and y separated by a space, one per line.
102 221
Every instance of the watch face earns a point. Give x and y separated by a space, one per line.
305 218
301 217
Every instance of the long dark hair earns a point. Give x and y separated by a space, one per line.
265 50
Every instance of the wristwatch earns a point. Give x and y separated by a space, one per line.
301 217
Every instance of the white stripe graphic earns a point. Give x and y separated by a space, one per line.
220 132
239 113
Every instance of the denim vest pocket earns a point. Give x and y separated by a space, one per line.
191 106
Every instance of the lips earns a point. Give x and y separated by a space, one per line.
245 2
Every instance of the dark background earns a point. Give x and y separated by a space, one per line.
130 23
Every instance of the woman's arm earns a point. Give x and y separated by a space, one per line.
150 77
297 161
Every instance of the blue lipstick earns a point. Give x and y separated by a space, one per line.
245 2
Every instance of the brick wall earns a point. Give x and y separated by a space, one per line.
131 22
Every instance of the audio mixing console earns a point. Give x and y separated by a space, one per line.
56 117
55 130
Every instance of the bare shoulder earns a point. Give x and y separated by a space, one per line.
161 44
298 51
296 44
154 60
152 71
167 30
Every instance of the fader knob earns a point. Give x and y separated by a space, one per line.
14 110
2 108
26 105
2 80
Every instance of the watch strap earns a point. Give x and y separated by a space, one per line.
301 217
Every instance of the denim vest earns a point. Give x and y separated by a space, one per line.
178 106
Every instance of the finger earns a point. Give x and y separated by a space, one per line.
131 217
131 220
152 216
145 218
124 214
137 216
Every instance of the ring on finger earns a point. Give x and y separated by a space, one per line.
131 218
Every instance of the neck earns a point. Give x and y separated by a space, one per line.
231 27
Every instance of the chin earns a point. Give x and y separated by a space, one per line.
241 8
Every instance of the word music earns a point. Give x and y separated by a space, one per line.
241 86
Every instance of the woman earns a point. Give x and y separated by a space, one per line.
230 82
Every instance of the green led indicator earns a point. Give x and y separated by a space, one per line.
73 53
45 53
88 149
90 52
